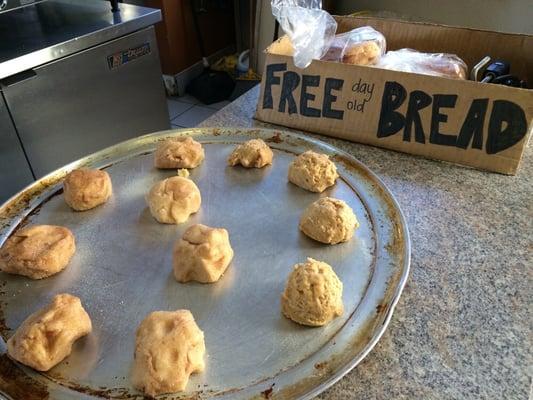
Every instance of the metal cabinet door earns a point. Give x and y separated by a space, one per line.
82 103
15 172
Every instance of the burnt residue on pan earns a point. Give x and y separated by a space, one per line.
26 220
119 393
336 361
380 308
107 393
268 392
275 139
23 200
321 365
4 329
115 393
17 385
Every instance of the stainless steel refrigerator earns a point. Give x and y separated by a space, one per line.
75 77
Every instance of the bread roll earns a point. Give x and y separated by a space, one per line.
436 64
360 46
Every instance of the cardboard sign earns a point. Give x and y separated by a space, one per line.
480 125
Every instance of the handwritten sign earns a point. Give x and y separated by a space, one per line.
475 124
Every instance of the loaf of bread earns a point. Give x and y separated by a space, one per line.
436 64
335 51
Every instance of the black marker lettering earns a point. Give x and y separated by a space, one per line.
472 129
417 101
305 96
270 80
291 80
390 121
327 111
502 137
441 101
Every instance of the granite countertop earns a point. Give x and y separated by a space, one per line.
463 326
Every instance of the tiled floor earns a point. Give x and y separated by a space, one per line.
187 112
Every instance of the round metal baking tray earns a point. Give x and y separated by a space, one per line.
122 271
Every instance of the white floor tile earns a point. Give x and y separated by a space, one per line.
219 105
187 98
193 116
176 108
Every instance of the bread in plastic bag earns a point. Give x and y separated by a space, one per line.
310 29
437 64
360 46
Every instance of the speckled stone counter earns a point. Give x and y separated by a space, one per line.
463 326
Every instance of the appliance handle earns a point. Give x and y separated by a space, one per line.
19 77
114 5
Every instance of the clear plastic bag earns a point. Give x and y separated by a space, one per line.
437 64
310 29
361 46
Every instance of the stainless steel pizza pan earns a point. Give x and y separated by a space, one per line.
122 271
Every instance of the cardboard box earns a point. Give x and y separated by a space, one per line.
481 125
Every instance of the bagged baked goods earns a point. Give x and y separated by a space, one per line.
437 64
360 46
309 28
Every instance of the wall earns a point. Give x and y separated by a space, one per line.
264 33
176 36
500 15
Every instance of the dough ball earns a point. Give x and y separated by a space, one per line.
329 220
37 251
313 171
202 254
184 173
313 294
254 153
87 188
365 53
45 338
169 347
179 153
173 200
